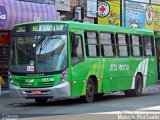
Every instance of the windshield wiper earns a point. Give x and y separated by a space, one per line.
44 42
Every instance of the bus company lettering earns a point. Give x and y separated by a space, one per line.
119 67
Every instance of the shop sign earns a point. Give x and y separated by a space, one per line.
3 15
109 12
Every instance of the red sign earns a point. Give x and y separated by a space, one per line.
4 37
30 68
35 92
102 9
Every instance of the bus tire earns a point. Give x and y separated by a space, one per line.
41 100
138 87
90 91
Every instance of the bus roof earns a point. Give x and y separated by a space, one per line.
86 26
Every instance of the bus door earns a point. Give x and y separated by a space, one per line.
77 59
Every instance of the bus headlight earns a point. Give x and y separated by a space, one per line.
10 77
64 77
12 82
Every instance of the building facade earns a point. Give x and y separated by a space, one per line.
64 8
130 13
15 12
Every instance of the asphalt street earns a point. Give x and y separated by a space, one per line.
111 106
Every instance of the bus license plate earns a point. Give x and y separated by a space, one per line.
36 92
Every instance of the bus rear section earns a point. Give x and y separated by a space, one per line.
114 61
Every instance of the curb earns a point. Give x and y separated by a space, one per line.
4 92
7 91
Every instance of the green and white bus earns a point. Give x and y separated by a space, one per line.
61 60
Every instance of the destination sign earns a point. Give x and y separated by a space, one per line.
48 27
40 28
20 29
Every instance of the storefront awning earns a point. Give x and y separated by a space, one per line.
14 12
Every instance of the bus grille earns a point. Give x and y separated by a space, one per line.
23 84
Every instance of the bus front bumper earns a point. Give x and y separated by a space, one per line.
61 91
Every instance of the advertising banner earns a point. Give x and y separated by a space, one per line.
133 14
109 12
140 15
15 12
3 15
153 17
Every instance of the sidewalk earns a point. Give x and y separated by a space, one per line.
5 92
4 95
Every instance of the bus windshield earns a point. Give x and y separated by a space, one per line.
38 53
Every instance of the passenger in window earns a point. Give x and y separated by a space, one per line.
75 44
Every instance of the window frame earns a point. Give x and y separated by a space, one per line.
140 45
152 46
113 44
97 45
127 40
82 46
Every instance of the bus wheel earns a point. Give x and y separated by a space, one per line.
138 87
90 91
41 100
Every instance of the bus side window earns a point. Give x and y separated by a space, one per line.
107 44
77 49
136 45
92 44
122 45
148 46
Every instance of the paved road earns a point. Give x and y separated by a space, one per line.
109 107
